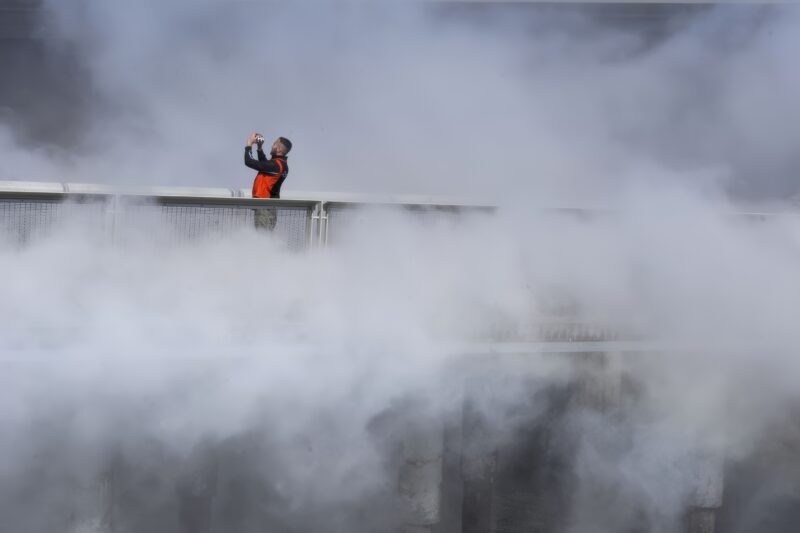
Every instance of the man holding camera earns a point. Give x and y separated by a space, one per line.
271 175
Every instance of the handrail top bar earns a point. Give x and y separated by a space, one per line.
224 192
31 186
212 201
101 189
42 190
341 198
159 200
423 205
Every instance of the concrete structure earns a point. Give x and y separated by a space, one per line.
455 473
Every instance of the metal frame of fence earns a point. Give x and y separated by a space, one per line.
320 209
115 207
318 212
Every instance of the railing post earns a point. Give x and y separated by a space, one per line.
313 225
112 216
323 224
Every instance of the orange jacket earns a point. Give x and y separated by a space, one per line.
271 174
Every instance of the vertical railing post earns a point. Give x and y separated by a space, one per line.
314 214
112 208
323 224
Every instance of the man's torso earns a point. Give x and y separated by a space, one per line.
268 185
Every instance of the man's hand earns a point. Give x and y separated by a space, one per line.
251 140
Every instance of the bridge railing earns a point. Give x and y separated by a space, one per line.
28 213
26 216
29 210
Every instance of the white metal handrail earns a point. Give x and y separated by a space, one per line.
317 205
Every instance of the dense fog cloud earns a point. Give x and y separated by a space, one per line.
284 382
304 367
563 104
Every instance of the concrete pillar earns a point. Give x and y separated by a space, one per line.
196 488
478 471
420 478
707 492
94 503
92 515
523 484
599 500
452 482
702 520
511 485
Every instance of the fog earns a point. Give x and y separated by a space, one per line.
284 382
567 105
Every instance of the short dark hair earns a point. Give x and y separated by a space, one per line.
287 144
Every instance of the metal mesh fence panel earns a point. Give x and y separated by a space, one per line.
22 221
25 220
171 224
343 218
339 218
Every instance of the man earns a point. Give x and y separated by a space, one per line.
271 175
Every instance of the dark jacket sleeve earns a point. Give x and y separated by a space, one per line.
268 166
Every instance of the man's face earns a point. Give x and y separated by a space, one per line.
276 148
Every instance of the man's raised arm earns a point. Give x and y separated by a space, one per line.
262 164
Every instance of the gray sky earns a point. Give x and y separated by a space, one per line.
561 103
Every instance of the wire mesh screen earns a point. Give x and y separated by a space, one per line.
347 219
339 218
22 221
182 223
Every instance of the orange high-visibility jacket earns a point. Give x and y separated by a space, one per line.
271 174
